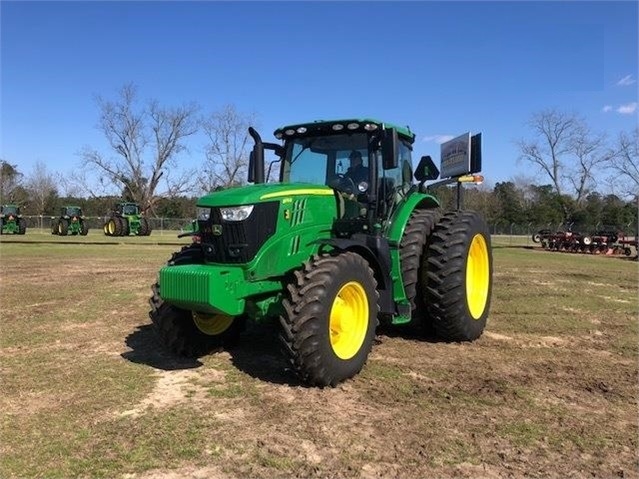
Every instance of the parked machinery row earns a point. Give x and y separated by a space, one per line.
601 242
123 220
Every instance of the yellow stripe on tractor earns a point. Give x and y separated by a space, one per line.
316 192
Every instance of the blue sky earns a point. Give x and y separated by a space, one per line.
442 68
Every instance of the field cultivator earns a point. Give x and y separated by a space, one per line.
608 242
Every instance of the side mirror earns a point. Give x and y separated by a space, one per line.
389 148
426 170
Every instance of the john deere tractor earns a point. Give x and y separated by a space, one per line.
329 257
125 220
70 222
11 221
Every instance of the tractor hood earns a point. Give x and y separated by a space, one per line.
253 194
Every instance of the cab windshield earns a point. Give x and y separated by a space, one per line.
10 210
129 210
321 159
74 212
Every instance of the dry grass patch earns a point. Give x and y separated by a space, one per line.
549 390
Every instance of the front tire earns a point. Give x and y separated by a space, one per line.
330 317
190 334
458 274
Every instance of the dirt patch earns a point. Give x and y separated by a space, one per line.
175 387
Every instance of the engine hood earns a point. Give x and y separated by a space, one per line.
252 194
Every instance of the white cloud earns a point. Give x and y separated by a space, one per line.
439 138
627 80
628 109
606 109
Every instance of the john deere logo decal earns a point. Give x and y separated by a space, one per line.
216 230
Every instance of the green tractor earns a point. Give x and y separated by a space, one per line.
126 219
329 254
11 221
70 222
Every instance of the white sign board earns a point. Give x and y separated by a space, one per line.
455 156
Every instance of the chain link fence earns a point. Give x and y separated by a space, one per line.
159 226
510 233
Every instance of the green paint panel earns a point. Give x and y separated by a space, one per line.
394 230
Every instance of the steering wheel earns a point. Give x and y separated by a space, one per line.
343 183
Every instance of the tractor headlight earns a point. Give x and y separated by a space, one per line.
236 213
203 214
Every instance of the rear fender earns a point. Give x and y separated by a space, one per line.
395 231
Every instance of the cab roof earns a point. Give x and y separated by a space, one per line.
319 127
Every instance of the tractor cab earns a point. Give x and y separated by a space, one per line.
7 211
71 212
368 162
128 209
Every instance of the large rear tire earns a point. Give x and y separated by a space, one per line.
412 247
22 226
55 226
114 227
63 227
125 229
330 317
458 275
145 229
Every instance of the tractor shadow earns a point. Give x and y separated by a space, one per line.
407 332
146 349
259 355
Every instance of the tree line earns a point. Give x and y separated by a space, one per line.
144 139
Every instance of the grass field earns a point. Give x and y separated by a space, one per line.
549 390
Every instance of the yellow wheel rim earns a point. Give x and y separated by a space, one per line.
212 324
111 227
349 320
477 276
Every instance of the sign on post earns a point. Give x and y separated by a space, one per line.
461 156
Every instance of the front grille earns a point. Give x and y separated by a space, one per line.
238 241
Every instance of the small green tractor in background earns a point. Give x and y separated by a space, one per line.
11 221
70 222
126 219
329 257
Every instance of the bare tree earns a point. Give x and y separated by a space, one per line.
589 152
42 188
9 180
227 152
565 150
625 162
131 131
